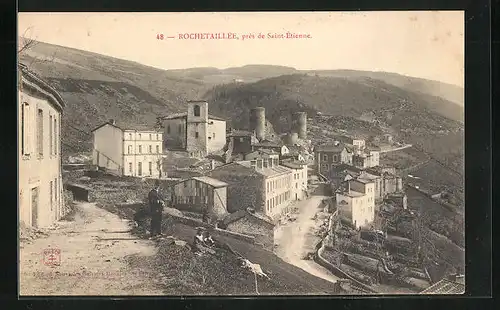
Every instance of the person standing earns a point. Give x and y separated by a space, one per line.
156 203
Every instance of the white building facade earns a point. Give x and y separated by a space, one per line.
356 202
40 188
128 151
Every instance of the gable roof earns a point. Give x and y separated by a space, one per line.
330 148
133 127
268 171
184 115
211 181
293 164
31 79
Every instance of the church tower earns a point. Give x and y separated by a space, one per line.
197 128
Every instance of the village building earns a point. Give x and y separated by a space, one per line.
330 155
240 141
366 159
262 185
296 152
201 195
300 176
261 154
387 181
251 223
194 131
40 188
270 145
128 150
356 202
358 144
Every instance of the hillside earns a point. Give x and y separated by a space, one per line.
97 88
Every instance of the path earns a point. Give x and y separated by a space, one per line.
396 149
297 238
93 251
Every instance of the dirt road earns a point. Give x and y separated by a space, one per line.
93 249
296 239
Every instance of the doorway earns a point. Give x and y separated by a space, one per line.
34 206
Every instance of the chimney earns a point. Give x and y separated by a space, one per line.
259 163
112 122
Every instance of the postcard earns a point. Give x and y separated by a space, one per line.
256 153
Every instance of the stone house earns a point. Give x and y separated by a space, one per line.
270 145
201 194
366 159
262 185
40 188
240 141
194 131
330 155
129 150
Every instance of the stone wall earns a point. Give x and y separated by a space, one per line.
248 225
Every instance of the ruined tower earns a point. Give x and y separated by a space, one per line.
299 124
258 122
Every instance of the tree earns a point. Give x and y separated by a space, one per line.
25 43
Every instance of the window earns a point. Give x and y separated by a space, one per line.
150 168
140 136
140 149
157 137
130 167
55 191
51 195
130 136
325 157
196 134
24 128
168 129
139 168
334 157
150 137
150 149
51 143
196 110
157 149
213 135
55 136
241 139
185 184
130 149
39 124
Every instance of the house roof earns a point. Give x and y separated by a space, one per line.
184 115
235 216
330 148
211 181
267 172
351 193
31 79
136 127
445 287
363 180
293 164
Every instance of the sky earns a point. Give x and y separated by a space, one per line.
425 44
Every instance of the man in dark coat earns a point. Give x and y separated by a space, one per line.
156 203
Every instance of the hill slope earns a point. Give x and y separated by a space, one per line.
97 88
